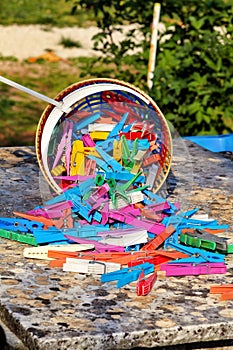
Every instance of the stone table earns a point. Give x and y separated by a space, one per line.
48 309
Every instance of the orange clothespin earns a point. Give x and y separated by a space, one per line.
226 291
41 219
152 159
159 239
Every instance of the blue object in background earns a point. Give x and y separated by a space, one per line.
218 143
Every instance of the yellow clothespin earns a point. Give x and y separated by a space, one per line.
58 170
117 150
138 158
99 135
77 166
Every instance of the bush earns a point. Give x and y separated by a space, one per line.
193 82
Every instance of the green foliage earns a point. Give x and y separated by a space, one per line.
46 12
69 43
193 81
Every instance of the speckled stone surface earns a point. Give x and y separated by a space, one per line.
49 309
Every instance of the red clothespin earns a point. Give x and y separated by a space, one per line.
226 291
151 159
145 285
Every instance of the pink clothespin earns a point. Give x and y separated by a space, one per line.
188 269
74 178
98 246
98 194
65 146
87 141
90 167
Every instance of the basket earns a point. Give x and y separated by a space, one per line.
110 114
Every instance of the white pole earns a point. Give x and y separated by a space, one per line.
153 45
58 104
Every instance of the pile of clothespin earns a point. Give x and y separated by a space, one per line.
108 220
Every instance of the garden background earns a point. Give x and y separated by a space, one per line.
193 82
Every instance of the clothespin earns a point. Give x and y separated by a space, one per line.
190 269
145 285
77 166
86 121
21 225
64 146
112 164
92 267
204 240
98 246
118 127
138 159
99 135
128 274
126 155
101 126
125 240
87 141
226 291
117 149
196 255
52 235
154 158
41 252
151 177
45 221
159 239
27 238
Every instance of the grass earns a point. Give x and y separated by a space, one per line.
69 43
19 111
50 13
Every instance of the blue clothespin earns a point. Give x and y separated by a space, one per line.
21 225
86 121
106 145
128 274
196 255
112 164
51 235
118 127
124 176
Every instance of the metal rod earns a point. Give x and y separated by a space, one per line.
59 104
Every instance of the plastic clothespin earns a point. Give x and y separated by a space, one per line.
125 240
45 221
100 127
65 146
106 145
196 255
41 252
92 267
159 239
126 155
128 274
145 285
203 240
112 164
99 135
77 166
117 150
21 225
87 141
98 246
86 121
190 269
51 235
118 127
19 237
226 291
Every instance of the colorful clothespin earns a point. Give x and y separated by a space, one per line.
159 239
41 252
118 127
190 269
98 246
64 147
145 285
92 267
226 291
27 238
21 225
77 166
128 274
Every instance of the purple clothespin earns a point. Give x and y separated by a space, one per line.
98 246
65 146
87 141
188 269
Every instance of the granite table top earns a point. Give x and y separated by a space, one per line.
52 310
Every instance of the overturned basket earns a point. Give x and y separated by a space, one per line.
123 123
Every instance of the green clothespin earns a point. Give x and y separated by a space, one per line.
127 159
19 237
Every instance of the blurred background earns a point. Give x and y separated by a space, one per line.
49 45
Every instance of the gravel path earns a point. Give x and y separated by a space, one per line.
27 41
